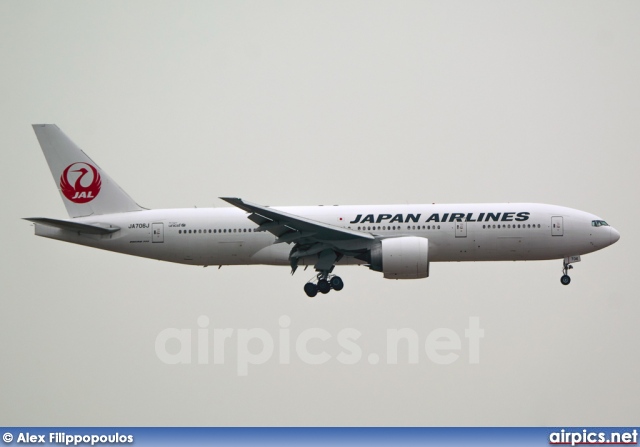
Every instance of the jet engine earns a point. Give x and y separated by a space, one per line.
401 257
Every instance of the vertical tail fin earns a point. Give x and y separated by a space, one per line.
85 188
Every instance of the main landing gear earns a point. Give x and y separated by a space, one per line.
324 285
565 279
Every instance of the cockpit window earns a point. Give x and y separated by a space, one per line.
599 223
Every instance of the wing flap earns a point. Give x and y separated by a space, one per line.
258 219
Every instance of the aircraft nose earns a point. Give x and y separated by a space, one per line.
614 235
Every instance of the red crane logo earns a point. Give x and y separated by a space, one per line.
80 188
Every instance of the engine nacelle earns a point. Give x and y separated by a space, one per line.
401 257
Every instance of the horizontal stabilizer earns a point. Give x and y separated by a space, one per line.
73 226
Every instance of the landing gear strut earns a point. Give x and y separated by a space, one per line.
325 283
565 279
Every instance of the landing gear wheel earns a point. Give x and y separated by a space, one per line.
565 280
310 289
336 283
324 286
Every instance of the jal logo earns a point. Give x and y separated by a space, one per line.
80 182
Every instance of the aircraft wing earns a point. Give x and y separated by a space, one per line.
310 237
292 228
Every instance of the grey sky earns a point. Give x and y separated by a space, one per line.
304 103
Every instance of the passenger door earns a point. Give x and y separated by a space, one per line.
557 229
157 232
461 229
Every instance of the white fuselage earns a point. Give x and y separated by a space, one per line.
456 232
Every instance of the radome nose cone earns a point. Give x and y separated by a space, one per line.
614 235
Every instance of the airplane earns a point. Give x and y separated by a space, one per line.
400 241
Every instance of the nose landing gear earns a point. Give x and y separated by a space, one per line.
566 279
324 285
